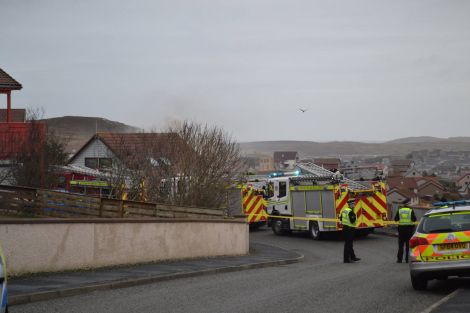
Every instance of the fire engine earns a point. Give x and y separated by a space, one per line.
312 202
253 198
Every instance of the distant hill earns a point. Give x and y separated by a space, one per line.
76 130
343 148
416 139
428 139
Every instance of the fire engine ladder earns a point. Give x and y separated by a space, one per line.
322 172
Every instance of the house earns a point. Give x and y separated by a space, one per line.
285 159
399 196
364 172
417 189
89 168
463 184
104 149
331 164
266 163
15 131
412 172
257 163
17 115
430 188
400 167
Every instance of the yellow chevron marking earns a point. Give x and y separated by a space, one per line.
254 209
376 219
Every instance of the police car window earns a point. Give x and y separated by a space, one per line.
448 222
282 189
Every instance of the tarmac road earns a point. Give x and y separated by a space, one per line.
319 283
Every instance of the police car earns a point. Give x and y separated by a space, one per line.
440 246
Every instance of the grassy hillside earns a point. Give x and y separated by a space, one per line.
76 130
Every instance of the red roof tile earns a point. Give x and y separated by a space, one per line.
411 183
158 144
402 182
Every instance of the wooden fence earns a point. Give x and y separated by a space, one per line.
39 202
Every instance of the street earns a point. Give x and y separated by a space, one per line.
319 283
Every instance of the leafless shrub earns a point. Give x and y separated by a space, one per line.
188 164
204 163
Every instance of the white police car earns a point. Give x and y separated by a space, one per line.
3 284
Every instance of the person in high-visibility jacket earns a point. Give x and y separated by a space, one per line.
348 220
406 219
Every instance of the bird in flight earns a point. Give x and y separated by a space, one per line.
303 110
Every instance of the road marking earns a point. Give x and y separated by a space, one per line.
442 301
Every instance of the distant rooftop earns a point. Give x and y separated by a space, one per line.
7 82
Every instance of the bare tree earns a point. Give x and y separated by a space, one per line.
137 170
188 164
204 163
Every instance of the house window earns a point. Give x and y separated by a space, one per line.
91 163
105 163
282 189
98 163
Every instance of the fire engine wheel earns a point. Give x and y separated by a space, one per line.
314 231
419 283
277 227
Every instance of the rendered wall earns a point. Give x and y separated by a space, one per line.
58 245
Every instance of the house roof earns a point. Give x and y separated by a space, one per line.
411 183
463 176
402 182
127 143
327 161
403 192
431 182
404 162
7 82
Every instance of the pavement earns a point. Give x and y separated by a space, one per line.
49 286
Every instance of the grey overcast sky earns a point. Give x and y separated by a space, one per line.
366 70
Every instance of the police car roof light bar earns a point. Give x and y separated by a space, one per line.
451 203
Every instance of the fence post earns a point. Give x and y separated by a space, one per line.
38 202
100 213
121 208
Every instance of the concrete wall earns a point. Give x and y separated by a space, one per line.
40 245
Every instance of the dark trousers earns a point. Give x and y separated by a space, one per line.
348 233
404 236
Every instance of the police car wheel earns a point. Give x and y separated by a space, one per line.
314 231
419 283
